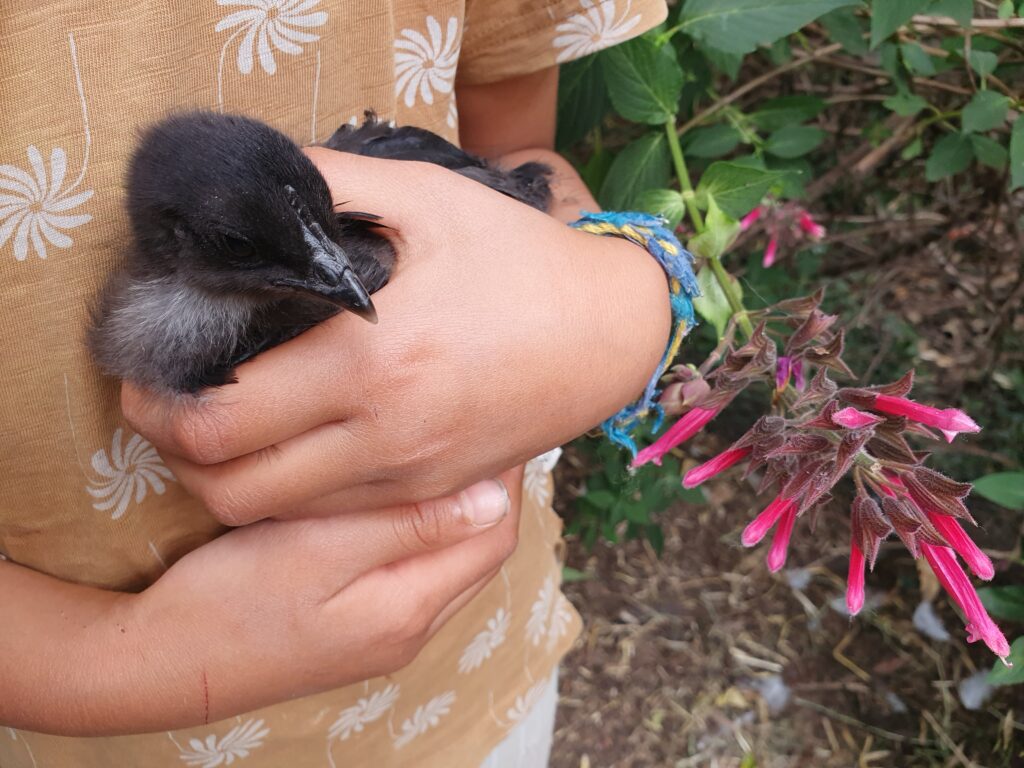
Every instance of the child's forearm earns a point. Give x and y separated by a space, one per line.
70 659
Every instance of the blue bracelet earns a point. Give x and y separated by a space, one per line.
651 233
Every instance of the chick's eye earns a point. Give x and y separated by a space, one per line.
237 247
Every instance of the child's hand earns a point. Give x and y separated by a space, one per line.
503 333
266 613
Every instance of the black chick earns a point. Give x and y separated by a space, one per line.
237 246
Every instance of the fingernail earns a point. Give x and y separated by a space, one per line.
485 503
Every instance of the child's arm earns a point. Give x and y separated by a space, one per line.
263 614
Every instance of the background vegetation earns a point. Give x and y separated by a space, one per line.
897 125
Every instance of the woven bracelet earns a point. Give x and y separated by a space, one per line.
651 233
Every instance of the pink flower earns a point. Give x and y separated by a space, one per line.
851 418
949 421
712 467
763 523
798 374
690 424
952 577
751 218
855 580
770 251
780 542
810 227
953 533
783 368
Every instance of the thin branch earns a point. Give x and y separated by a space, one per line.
949 21
757 82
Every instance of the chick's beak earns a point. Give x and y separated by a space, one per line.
332 276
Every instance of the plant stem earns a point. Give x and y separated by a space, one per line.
683 174
731 295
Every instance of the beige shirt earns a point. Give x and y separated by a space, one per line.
84 498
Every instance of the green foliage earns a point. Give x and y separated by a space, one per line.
1004 488
1003 675
644 80
642 165
617 502
1004 602
739 26
739 148
736 188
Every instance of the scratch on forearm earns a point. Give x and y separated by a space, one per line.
206 699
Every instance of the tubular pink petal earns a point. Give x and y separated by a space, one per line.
712 467
810 227
783 367
950 421
751 218
770 252
952 577
689 425
851 418
798 375
760 525
855 580
951 530
780 541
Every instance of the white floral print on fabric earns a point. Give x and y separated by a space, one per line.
236 744
35 208
425 717
425 65
453 113
550 615
526 702
535 478
597 26
268 26
485 643
129 471
353 719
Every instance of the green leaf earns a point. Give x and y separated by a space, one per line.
582 99
989 151
986 110
1017 154
719 233
905 104
786 110
644 80
917 61
889 15
961 10
983 62
740 26
713 141
642 165
1003 675
794 141
736 187
570 575
596 169
712 304
950 155
1004 602
844 27
1004 488
1005 9
797 172
601 499
913 149
665 202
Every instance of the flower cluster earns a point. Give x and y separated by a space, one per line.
787 225
818 433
